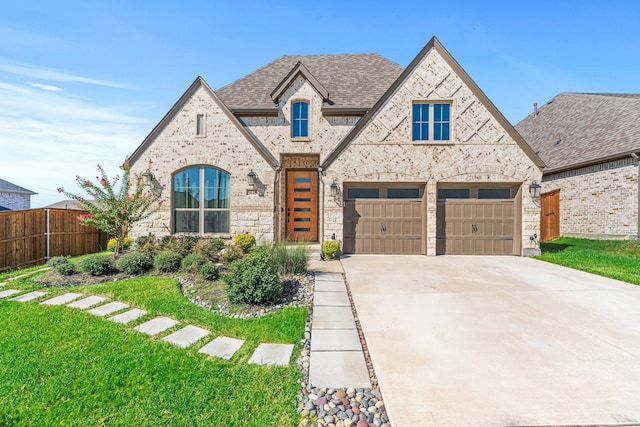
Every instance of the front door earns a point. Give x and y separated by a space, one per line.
302 205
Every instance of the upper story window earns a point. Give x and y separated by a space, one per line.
200 125
201 200
431 121
300 119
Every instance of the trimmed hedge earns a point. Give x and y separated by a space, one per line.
135 262
253 279
167 261
97 265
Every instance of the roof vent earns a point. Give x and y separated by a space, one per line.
558 141
535 108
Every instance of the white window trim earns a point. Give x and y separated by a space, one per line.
202 134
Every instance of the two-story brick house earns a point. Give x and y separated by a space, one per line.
348 147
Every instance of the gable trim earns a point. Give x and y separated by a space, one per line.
434 43
198 83
299 69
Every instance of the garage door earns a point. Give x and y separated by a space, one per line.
383 226
475 227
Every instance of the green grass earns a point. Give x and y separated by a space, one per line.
617 259
60 366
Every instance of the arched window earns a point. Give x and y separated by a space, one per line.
300 119
201 200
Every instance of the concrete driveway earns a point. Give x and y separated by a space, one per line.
498 341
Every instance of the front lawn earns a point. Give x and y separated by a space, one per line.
617 259
62 366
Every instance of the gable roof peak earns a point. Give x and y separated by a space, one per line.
299 70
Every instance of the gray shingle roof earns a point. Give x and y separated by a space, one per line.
12 188
580 128
353 80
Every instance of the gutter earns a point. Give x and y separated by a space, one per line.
619 156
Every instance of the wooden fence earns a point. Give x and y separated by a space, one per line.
32 236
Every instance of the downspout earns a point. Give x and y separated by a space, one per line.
634 156
276 224
321 213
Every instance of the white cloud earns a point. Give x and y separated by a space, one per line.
49 88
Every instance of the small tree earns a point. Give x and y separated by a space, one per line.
115 211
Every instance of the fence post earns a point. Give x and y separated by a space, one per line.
48 234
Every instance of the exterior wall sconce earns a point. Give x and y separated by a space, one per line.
336 193
334 188
534 190
252 181
147 178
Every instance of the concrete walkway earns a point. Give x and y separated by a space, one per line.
337 359
498 341
223 347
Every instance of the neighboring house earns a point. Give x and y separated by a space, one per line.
65 204
589 142
347 147
14 197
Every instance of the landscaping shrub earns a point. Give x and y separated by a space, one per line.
290 259
167 261
209 271
143 240
253 279
57 260
230 254
331 248
66 268
207 248
126 244
193 262
245 242
135 262
181 245
97 265
217 243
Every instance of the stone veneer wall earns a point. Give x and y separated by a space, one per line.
222 146
480 150
15 201
598 201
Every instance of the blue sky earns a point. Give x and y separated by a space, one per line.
83 83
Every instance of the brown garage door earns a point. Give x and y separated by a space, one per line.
383 226
475 227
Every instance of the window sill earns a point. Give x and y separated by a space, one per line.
225 236
305 139
432 143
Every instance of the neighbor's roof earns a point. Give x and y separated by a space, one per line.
578 129
7 187
65 204
353 81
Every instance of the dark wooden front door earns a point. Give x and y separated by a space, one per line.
550 215
302 205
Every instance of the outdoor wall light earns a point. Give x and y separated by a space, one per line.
534 190
251 180
334 188
147 178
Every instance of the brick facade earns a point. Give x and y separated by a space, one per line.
15 201
598 201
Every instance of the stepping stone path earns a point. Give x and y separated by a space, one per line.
29 296
156 325
9 292
128 316
62 299
186 336
105 310
223 347
87 302
272 354
2 284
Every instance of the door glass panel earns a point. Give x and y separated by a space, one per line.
302 190
494 193
301 179
302 219
363 193
403 193
453 193
302 209
302 229
301 199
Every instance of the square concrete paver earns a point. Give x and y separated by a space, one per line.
272 354
105 310
9 292
87 302
186 336
2 284
335 340
156 325
328 317
128 316
339 299
30 296
329 277
223 347
333 286
62 299
339 369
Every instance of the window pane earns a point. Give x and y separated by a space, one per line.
437 131
446 108
216 189
453 193
416 131
363 193
420 122
216 221
437 112
445 132
424 136
441 122
403 193
186 188
186 221
494 193
300 119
